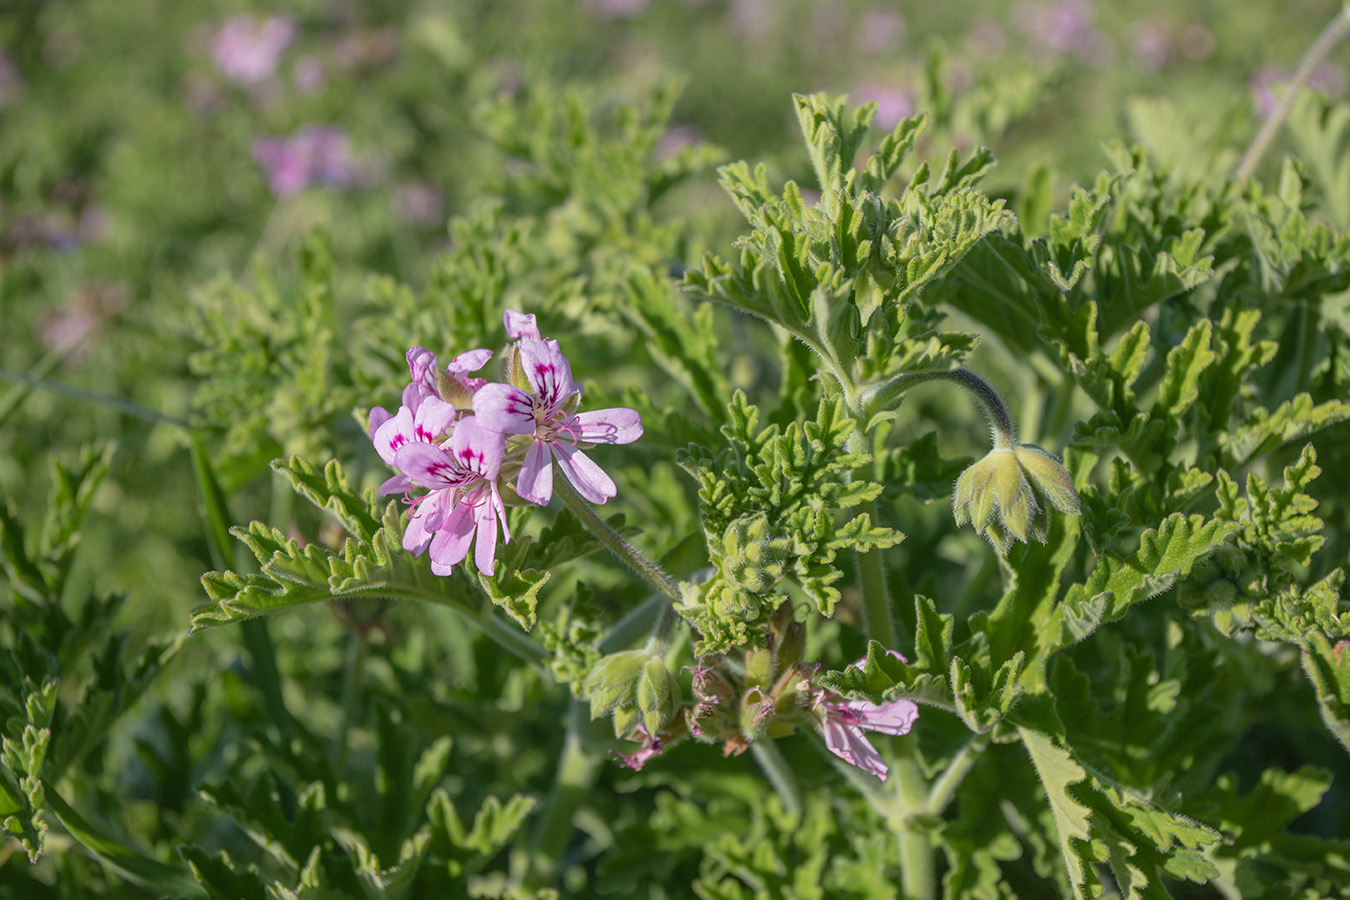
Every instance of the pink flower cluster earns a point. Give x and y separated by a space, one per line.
316 154
247 50
463 439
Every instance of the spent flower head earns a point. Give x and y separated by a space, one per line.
1008 495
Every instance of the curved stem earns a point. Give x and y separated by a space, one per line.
351 686
614 541
780 775
943 790
1001 424
1330 36
577 769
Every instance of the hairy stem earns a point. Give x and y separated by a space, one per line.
614 541
878 622
1329 38
780 775
916 847
943 790
351 689
1001 424
577 769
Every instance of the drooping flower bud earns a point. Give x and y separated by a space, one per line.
1008 495
636 689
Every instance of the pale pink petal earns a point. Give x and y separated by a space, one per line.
417 535
485 550
393 433
469 361
378 416
420 361
434 417
504 409
606 426
452 541
476 449
547 370
520 326
849 744
589 479
396 485
896 717
535 483
429 466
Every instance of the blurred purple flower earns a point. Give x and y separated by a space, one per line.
419 203
10 80
1152 43
316 154
1270 82
880 30
1063 28
247 50
616 9
308 74
893 103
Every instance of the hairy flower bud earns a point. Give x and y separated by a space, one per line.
635 687
1008 495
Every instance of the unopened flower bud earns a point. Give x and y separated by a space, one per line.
658 695
612 683
1008 495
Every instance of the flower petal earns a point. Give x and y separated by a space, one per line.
589 479
393 433
535 483
452 541
485 550
469 361
433 419
420 361
378 416
430 466
849 744
548 371
520 326
896 717
504 409
618 425
477 449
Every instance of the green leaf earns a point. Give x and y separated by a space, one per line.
1185 364
1328 668
1165 553
131 864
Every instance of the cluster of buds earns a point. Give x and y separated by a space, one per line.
636 688
1008 495
464 439
774 693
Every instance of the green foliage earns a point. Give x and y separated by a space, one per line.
771 505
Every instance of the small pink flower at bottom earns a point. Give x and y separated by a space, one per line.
651 746
844 724
464 503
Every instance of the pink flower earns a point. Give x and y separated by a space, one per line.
247 51
844 723
315 154
548 412
464 502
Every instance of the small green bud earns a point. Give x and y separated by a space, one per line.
658 695
453 391
1008 495
759 667
613 681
